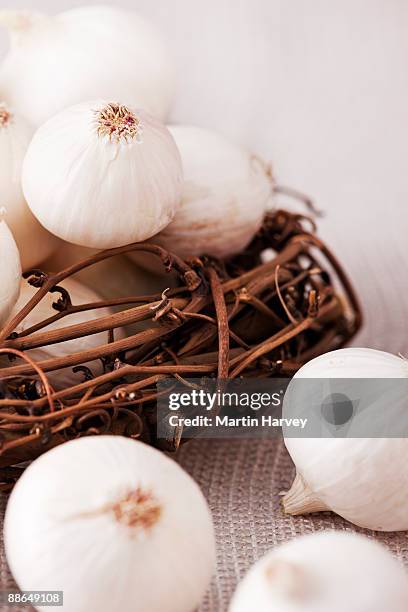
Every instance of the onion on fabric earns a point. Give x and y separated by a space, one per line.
363 479
329 571
114 523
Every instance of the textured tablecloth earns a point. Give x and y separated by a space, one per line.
242 481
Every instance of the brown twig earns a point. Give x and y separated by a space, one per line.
226 319
222 320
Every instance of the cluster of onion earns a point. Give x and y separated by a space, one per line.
103 175
362 479
100 174
87 166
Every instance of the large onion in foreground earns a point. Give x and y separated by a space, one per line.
114 523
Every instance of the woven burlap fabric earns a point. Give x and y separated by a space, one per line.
242 480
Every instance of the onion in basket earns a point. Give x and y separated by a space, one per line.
55 61
34 242
79 294
226 194
10 272
102 174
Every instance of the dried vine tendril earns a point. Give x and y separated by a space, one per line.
244 316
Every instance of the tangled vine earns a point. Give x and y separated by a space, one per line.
264 312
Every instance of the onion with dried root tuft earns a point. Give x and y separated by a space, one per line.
103 175
114 523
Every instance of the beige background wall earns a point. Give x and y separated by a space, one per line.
321 88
